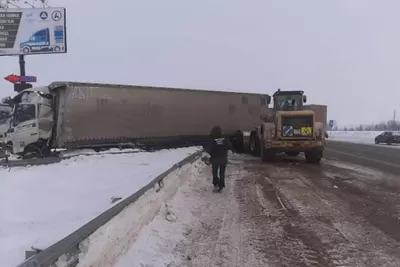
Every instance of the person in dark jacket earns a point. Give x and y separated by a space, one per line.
218 150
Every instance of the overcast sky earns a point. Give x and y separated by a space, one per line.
343 53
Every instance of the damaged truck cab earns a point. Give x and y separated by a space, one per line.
31 124
5 117
290 127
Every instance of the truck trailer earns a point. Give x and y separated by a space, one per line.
75 115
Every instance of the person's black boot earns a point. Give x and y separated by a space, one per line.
215 188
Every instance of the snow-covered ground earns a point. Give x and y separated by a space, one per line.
362 137
40 205
111 241
158 242
354 136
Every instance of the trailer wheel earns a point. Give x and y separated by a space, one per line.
254 146
237 142
313 156
241 148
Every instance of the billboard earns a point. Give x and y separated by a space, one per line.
28 31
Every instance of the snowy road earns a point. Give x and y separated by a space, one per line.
283 214
359 137
380 157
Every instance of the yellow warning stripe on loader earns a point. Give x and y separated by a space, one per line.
306 130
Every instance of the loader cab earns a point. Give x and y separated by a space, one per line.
289 100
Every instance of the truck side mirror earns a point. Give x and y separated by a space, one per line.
304 98
268 100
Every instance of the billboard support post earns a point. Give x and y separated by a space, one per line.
31 31
22 65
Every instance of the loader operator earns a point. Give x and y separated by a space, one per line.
289 105
218 150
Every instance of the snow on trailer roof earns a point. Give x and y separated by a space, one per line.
39 89
58 84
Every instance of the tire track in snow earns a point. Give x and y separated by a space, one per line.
349 239
296 246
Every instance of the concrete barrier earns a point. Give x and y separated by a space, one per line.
65 253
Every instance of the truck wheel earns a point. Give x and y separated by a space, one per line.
314 156
26 50
237 142
268 155
32 152
292 153
255 148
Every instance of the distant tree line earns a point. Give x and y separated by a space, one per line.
382 126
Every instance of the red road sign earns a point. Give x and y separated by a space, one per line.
12 78
16 78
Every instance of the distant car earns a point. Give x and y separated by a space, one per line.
388 138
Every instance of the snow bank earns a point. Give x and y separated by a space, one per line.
194 215
112 240
367 137
40 205
89 152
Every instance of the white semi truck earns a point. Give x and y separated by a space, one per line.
75 115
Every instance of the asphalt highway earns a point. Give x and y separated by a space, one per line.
382 157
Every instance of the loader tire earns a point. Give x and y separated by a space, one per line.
314 156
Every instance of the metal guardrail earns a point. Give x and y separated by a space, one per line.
70 245
56 159
30 162
51 160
